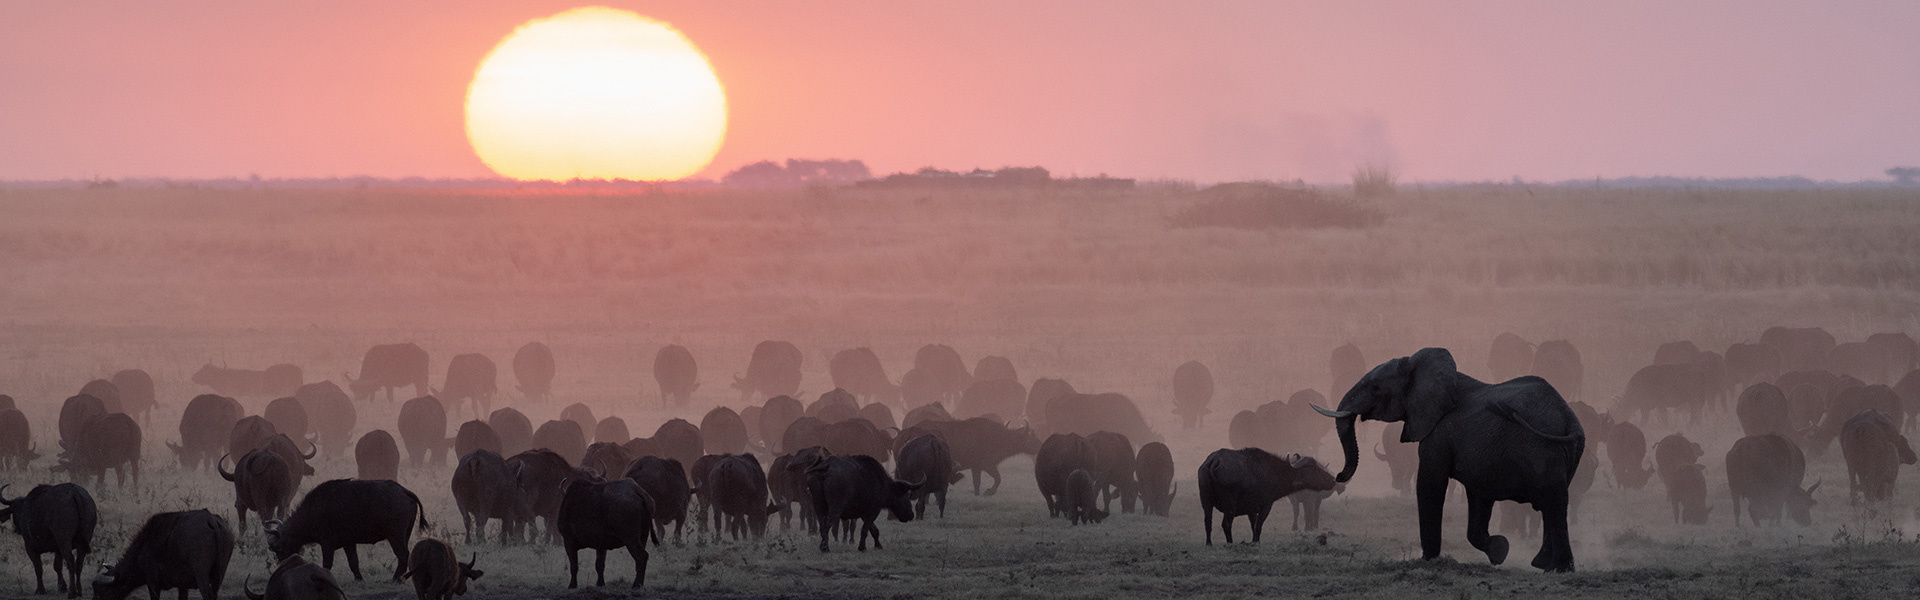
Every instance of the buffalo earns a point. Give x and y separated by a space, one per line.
1060 456
787 483
946 372
249 434
612 429
1082 500
1800 348
1402 458
929 412
1762 409
1687 493
262 482
273 382
857 487
533 369
330 411
288 417
343 513
927 459
1004 398
483 489
376 456
773 370
856 436
562 436
880 416
1627 450
1085 414
471 380
1748 363
1248 481
16 440
677 374
540 474
723 432
514 429
1153 468
1113 468
919 387
1558 362
1192 391
736 487
57 519
605 516
680 440
1676 353
437 573
136 394
283 446
74 414
1043 391
423 426
387 367
1853 401
834 405
108 394
1663 388
294 578
1765 471
1874 450
1860 360
476 435
581 415
176 550
665 481
106 442
859 372
994 367
607 458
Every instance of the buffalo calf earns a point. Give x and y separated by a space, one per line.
437 573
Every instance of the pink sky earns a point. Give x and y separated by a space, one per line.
1202 91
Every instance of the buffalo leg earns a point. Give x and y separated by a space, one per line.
573 567
995 472
399 545
599 567
639 563
39 583
942 496
1479 512
1430 492
1258 521
920 508
353 560
976 482
876 534
1226 525
1296 514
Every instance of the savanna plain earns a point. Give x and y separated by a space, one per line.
1107 289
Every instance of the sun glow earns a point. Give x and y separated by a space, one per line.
596 93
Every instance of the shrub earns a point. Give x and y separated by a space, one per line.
1372 182
1263 205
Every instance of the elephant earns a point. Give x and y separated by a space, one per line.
1517 441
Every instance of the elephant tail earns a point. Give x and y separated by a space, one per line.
1509 412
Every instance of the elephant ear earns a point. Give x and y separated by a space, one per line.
1429 395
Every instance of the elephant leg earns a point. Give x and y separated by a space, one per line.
1479 512
1556 548
1431 494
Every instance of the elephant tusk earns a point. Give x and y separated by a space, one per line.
1337 414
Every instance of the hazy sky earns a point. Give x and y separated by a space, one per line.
1194 90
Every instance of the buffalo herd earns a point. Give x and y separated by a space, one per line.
583 482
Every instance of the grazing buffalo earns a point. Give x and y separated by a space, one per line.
297 464
880 416
581 415
294 578
288 417
945 371
1860 360
1043 391
1085 414
1248 481
74 414
437 573
330 411
1765 471
484 489
376 456
1627 450
1748 363
1849 402
1510 356
834 405
1004 398
1344 367
1665 388
108 394
1153 468
737 489
262 483
1800 348
994 367
1113 469
607 459
1192 391
515 431
697 480
274 382
1874 449
605 516
423 426
206 427
563 437
774 370
1280 425
1558 362
924 414
927 459
471 380
857 436
612 430
106 442
677 374
665 481
57 519
1903 353
136 394
859 372
1676 353
1059 456
679 440
918 387
343 513
776 416
1687 493
1763 409
723 432
176 550
16 440
857 487
390 366
1676 451
540 474
787 483
249 434
476 435
1081 501
533 369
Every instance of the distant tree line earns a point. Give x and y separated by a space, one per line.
1004 177
798 173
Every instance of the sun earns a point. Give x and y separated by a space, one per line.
596 93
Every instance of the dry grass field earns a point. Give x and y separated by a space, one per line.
1092 287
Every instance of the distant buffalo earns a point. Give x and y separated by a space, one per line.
946 372
680 440
288 417
665 481
514 429
74 414
376 456
436 573
330 412
540 474
263 483
1060 456
776 415
607 459
390 366
105 442
1085 414
994 367
273 382
484 489
1113 468
423 426
1081 502
563 437
722 431
1004 398
475 435
107 392
928 460
612 430
1558 362
1043 391
857 487
204 429
16 440
471 381
1765 472
1192 390
736 487
581 415
533 369
773 370
858 371
136 394
677 374
1800 348
1153 468
1510 356
1874 450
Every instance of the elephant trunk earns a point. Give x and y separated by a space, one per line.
1350 446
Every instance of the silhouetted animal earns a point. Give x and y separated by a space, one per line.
946 372
1902 352
679 440
677 374
1763 409
1765 471
1510 356
581 415
930 412
1192 390
514 429
1306 503
390 366
612 430
16 440
773 370
564 437
1860 360
737 488
136 394
1874 449
1558 362
858 371
1909 391
540 474
1043 391
330 411
294 578
436 573
106 442
1059 456
1113 469
273 382
1153 469
1803 348
262 483
475 435
1663 388
471 380
108 394
1852 401
1676 451
835 405
606 458
484 489
978 445
1248 481
1005 398
533 369
1748 363
722 431
776 416
74 414
288 417
376 456
1088 413
605 516
176 550
249 434
204 430
926 459
880 416
665 481
787 483
57 519
1687 492
1676 353
343 513
994 367
1082 500
423 426
857 487
1627 450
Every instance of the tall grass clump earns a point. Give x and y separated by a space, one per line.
1371 181
1264 205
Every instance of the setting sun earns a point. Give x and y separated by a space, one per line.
596 93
